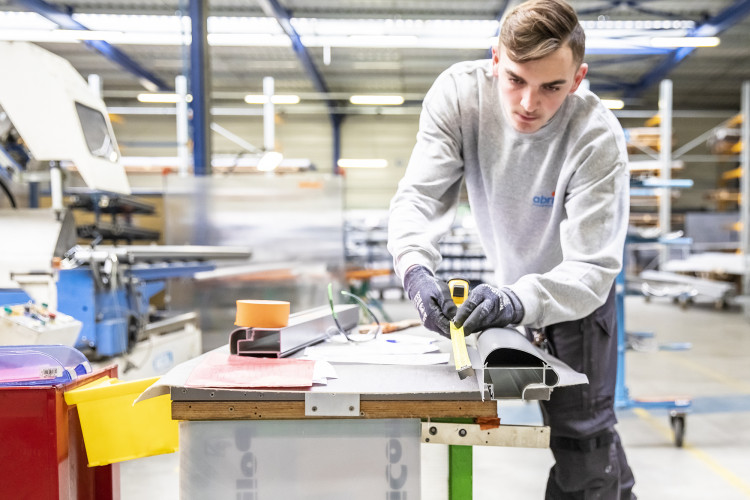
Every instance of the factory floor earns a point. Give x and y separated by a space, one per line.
713 463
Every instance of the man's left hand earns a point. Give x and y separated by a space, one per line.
488 307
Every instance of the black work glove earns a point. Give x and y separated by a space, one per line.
488 307
431 297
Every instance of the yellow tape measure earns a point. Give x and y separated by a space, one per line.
459 292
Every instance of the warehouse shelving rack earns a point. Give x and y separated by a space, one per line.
678 408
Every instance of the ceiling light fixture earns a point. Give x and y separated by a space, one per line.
362 163
248 40
162 98
275 99
613 103
377 100
89 34
685 41
400 41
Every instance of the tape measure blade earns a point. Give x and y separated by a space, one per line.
460 354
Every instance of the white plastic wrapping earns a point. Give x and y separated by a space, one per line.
310 459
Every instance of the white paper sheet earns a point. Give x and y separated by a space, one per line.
322 372
430 358
379 346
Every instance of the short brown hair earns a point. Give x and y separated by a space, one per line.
537 28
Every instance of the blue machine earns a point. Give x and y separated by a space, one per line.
110 289
107 288
113 316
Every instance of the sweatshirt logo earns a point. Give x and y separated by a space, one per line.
544 201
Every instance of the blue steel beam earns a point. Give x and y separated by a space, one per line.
272 8
200 88
65 20
717 24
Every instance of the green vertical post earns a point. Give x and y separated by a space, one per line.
459 472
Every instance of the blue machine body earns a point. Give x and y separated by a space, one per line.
10 296
112 314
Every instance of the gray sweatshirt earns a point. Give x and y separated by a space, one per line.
551 207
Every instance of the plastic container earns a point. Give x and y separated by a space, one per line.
41 365
114 429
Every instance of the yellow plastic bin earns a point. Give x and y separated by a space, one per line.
114 429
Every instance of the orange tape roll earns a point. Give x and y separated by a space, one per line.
262 313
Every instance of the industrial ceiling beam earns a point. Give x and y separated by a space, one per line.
598 9
64 19
272 8
200 88
615 61
635 5
602 88
712 27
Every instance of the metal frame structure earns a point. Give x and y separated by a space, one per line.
714 26
745 188
200 87
678 408
65 20
272 8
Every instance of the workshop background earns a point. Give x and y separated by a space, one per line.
199 92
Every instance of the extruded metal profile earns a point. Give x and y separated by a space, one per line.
304 329
472 435
514 368
530 382
536 392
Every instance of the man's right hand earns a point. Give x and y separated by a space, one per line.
431 297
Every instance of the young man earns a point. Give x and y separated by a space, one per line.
544 164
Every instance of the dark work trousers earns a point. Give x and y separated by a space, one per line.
590 461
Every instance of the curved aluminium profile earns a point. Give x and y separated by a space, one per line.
513 367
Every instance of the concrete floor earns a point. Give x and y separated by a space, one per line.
713 463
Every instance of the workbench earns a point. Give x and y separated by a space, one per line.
344 427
